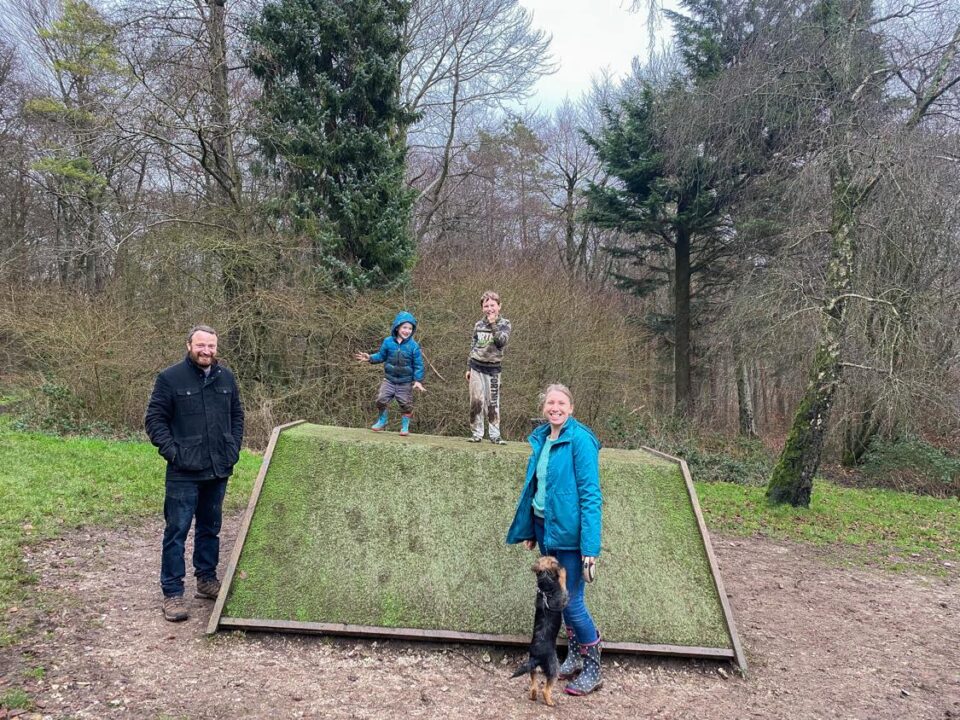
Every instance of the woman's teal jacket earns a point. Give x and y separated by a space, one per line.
572 511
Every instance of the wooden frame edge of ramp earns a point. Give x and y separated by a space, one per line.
220 622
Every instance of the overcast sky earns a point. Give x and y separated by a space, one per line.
588 35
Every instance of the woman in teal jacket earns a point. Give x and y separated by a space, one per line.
560 512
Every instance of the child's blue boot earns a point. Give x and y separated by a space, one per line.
405 425
381 422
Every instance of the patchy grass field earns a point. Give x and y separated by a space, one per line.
891 529
49 484
374 529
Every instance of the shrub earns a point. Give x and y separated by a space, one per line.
96 355
710 457
54 408
99 355
913 465
15 699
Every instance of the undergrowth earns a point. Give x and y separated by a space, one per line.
712 457
912 464
53 408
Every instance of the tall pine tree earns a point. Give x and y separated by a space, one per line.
673 216
332 129
679 176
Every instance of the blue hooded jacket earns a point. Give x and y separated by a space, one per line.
402 360
572 511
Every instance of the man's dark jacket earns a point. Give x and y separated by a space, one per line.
196 422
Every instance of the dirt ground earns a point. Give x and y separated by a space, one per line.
822 641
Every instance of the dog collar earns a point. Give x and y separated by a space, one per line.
546 599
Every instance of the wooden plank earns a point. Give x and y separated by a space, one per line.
245 527
715 571
738 653
659 454
372 632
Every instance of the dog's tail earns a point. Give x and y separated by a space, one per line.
528 667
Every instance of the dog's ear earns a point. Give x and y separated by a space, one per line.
562 578
542 564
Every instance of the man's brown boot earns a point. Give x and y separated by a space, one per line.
173 608
207 589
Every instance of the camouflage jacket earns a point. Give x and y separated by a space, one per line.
486 353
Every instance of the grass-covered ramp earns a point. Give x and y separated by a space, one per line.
356 532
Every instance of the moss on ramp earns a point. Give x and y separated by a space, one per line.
374 529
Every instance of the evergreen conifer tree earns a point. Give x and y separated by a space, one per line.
678 178
332 128
673 216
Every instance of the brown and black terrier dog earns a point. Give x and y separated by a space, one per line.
551 600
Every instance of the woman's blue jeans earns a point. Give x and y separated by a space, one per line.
185 500
575 615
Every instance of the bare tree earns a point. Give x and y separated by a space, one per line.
570 165
15 186
465 57
82 162
906 257
193 106
856 64
193 95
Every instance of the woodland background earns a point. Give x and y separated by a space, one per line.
748 248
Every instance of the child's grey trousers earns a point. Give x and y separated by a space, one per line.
403 392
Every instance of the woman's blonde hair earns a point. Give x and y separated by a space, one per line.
558 388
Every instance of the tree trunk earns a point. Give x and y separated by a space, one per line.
436 188
792 479
571 251
90 257
240 266
858 435
681 320
747 424
219 160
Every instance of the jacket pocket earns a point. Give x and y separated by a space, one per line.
222 397
188 401
192 454
169 451
231 451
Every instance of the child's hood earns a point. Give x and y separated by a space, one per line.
402 317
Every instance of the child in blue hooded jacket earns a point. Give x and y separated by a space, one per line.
402 369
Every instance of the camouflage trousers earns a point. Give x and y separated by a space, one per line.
484 402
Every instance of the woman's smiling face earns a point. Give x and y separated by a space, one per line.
557 408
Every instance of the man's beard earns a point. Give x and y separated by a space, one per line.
196 359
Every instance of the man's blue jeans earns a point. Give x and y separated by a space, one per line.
185 500
575 615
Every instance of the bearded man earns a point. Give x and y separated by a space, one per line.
195 419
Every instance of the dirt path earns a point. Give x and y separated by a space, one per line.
822 642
